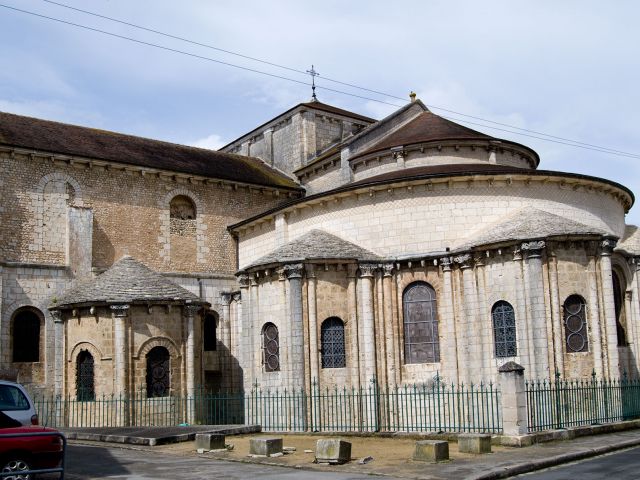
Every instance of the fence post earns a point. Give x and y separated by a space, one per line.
514 399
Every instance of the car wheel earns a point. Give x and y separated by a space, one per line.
16 465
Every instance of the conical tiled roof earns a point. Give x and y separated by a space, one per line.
526 224
127 281
316 244
630 242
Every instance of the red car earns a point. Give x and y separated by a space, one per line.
26 451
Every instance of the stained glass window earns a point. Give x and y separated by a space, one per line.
575 324
158 372
332 343
270 348
504 329
421 342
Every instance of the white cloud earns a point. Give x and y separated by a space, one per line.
212 142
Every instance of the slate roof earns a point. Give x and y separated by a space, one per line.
429 127
315 244
127 281
61 138
338 111
630 243
526 224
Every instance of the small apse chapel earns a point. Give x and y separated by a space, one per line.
321 246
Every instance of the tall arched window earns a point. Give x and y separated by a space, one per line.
270 348
158 372
182 216
618 300
575 324
332 343
85 383
421 341
209 332
26 336
504 329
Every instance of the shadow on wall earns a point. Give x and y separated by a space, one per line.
103 250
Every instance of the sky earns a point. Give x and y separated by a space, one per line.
569 69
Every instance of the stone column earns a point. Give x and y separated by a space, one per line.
593 313
448 355
352 324
189 312
387 284
523 335
293 273
314 345
484 321
368 369
119 313
611 335
534 291
58 359
245 351
514 399
255 340
238 382
556 314
468 339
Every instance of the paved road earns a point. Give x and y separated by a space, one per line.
623 465
99 462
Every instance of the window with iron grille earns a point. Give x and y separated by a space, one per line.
332 343
209 332
421 341
270 348
158 372
26 337
504 329
575 324
85 380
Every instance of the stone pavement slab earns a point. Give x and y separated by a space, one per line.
153 435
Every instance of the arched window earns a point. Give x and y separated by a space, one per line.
85 384
504 329
158 372
332 343
209 332
575 324
421 342
26 336
182 216
618 301
270 348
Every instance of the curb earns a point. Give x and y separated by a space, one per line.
535 465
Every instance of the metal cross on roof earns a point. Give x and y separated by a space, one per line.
313 74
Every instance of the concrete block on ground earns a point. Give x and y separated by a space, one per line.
333 450
209 441
431 451
265 446
474 443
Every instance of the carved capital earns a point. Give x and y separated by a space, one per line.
57 316
190 310
387 269
445 263
606 246
533 249
119 310
465 261
293 270
368 269
282 276
243 280
478 259
253 279
225 298
517 254
237 296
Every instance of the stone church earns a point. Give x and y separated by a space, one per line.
322 246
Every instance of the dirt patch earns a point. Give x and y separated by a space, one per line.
388 453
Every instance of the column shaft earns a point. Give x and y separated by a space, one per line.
611 336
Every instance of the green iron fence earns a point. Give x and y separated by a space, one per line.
568 403
431 407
